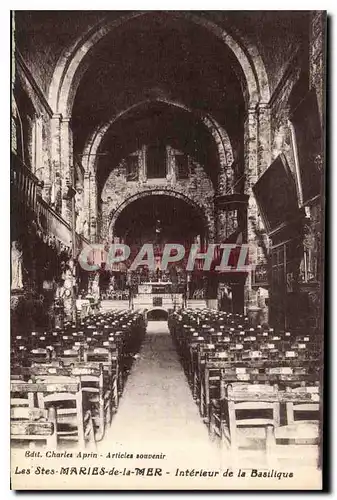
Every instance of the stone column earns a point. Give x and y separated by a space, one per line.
317 56
222 182
264 160
264 138
86 204
220 223
171 171
93 231
142 169
251 173
55 153
257 156
66 160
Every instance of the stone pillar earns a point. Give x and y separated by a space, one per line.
55 150
226 222
42 161
264 160
221 187
251 173
142 170
257 155
171 171
93 230
220 224
317 56
66 169
264 138
86 204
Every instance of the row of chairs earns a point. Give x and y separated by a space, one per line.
72 378
234 368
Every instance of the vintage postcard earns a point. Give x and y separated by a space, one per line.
167 250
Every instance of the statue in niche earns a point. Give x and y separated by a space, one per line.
17 266
95 287
282 143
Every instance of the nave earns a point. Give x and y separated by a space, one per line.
157 411
120 384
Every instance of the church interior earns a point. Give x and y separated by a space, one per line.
181 127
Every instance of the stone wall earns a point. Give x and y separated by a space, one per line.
39 135
317 56
197 188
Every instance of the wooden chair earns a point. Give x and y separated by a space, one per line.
109 360
70 356
255 402
73 417
90 376
39 355
197 373
28 422
300 430
229 374
210 382
21 392
34 424
99 395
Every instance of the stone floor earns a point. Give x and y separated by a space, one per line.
157 411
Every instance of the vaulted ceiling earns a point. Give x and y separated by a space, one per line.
160 57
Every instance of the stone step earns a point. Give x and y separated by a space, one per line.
110 305
196 304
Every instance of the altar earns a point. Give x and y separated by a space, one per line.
160 294
158 287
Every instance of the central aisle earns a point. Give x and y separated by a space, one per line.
157 416
157 411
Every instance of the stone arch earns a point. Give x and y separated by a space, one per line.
218 133
154 311
71 65
160 191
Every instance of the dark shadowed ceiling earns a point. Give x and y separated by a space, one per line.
154 219
157 123
159 54
151 57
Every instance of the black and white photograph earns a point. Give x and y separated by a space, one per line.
167 249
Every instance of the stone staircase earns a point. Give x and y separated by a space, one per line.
114 305
167 301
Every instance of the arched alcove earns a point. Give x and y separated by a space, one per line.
157 314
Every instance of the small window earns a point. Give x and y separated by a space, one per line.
132 170
182 166
156 162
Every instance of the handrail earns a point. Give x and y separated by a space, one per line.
24 192
47 208
55 225
18 163
24 185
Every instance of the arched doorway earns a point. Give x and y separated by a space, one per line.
157 218
160 218
157 315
